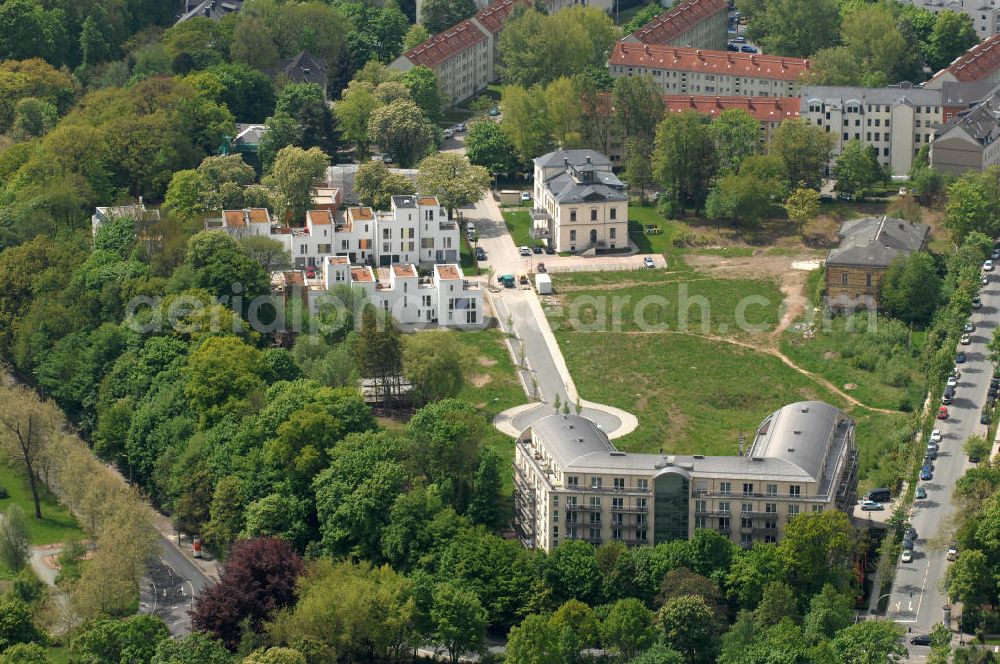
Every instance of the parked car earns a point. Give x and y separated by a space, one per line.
871 506
935 436
969 327
952 382
921 640
960 358
992 392
881 495
525 196
507 280
985 418
926 475
926 468
549 250
930 455
907 543
648 262
448 133
524 251
911 532
988 266
921 493
994 382
310 272
952 552
995 255
537 249
480 254
906 557
732 47
747 48
541 268
946 398
494 112
977 302
956 372
942 413
984 280
738 40
965 340
460 127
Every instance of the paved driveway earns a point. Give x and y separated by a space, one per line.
916 601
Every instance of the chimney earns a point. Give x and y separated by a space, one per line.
691 101
782 63
718 102
675 54
646 49
588 159
807 64
753 58
698 53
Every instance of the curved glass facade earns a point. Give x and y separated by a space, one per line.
671 492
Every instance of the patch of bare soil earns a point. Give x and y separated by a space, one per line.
850 386
830 355
480 380
486 361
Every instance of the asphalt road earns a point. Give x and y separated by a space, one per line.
171 584
916 601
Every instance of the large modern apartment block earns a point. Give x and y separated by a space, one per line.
692 23
580 205
985 14
969 141
690 71
570 482
416 229
895 120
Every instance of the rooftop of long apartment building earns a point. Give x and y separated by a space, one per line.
445 44
800 441
729 63
765 109
671 24
493 16
902 93
975 64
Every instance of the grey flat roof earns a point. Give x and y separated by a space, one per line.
887 95
405 201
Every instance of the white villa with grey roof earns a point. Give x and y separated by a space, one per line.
580 205
570 482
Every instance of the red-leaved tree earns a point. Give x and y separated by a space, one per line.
257 579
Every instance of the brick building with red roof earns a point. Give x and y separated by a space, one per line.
692 23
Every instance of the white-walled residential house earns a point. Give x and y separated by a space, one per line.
138 212
415 230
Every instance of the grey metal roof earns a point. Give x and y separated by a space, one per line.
889 95
210 9
798 441
405 201
566 189
981 123
877 241
573 157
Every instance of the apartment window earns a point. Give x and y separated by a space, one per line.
746 508
571 502
868 279
640 535
772 489
793 510
723 524
593 215
595 482
771 508
571 532
794 491
700 506
572 236
770 539
699 521
616 534
817 508
612 234
642 485
595 517
619 483
771 524
614 213
573 480
555 532
555 501
426 300
555 515
595 502
843 278
640 503
595 534
846 136
725 488
746 522
746 540
724 507
572 215
747 489
640 519
617 503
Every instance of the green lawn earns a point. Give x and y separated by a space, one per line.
725 252
692 395
470 266
56 525
881 363
649 299
519 227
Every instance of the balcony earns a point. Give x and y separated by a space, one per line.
634 510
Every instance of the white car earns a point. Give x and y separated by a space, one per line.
952 552
935 436
965 340
907 556
448 133
988 266
525 196
524 251
871 506
648 262
952 381
985 280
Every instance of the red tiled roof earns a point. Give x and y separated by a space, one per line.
764 109
977 63
674 23
726 63
492 17
445 44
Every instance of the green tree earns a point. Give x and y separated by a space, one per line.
953 35
293 174
563 112
969 579
444 447
829 612
578 627
252 44
459 620
789 27
14 546
869 642
275 656
628 627
526 121
976 448
994 348
837 65
222 378
750 195
34 117
27 30
688 625
432 365
638 171
25 653
940 644
973 204
777 603
379 352
486 489
911 288
16 624
659 653
132 640
271 254
638 107
573 572
402 130
534 641
452 179
415 36
439 15
424 90
487 145
856 169
815 549
871 34
375 185
802 205
737 136
805 150
187 195
684 157
282 131
353 112
306 105
645 15
196 648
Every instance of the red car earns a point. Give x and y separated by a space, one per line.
310 272
942 413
